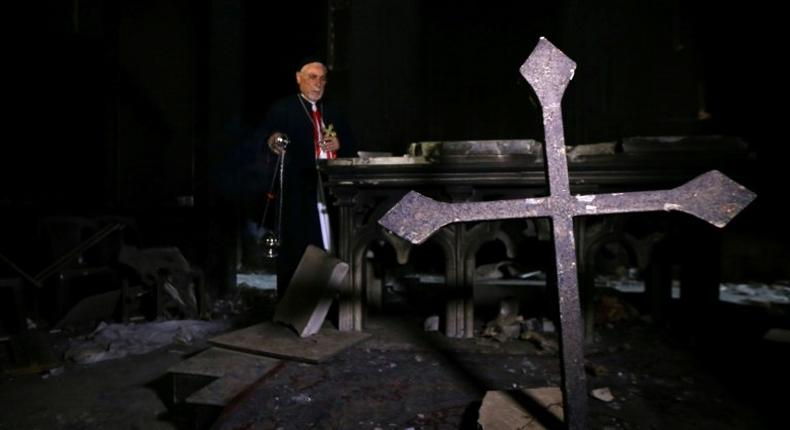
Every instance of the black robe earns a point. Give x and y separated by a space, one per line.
300 224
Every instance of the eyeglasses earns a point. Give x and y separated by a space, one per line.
315 77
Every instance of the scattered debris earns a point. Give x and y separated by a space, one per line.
755 294
499 270
507 324
602 394
627 281
431 323
261 281
548 326
779 335
752 293
28 353
543 343
226 307
110 341
595 369
55 371
302 399
610 308
533 324
179 286
529 409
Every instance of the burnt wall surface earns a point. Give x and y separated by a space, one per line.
147 110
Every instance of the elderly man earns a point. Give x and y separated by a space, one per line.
316 130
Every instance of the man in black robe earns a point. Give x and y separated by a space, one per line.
315 130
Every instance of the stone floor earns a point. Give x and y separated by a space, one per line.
405 378
724 377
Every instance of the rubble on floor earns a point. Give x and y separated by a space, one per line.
755 293
111 341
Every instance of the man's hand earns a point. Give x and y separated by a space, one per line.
276 142
330 143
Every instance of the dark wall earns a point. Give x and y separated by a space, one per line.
55 134
135 96
449 69
442 70
276 37
132 107
157 99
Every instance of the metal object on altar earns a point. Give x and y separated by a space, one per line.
711 196
373 154
401 160
451 150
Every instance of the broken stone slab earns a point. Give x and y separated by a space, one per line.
317 280
528 409
216 376
278 341
603 394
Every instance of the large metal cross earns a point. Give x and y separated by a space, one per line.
711 196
